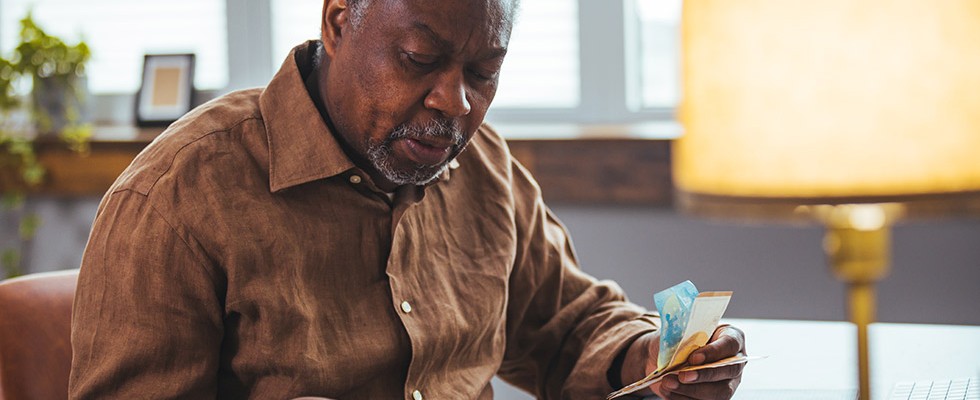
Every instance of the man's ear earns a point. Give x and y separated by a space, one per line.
332 24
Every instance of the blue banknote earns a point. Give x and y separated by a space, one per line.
688 319
674 305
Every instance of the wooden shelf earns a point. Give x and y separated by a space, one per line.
599 164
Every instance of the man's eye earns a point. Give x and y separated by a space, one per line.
421 60
483 76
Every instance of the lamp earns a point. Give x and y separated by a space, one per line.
855 114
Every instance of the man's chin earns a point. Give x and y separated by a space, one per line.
400 166
419 176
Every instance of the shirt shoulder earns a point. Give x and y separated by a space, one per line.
488 140
230 125
491 150
488 150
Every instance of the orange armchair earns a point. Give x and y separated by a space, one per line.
35 335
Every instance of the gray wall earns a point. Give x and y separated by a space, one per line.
778 271
775 271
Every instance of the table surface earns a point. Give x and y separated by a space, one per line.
818 360
811 355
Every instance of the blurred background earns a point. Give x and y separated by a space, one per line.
575 63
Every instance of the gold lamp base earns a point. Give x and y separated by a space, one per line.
857 240
858 243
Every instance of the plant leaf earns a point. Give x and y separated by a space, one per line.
10 261
29 226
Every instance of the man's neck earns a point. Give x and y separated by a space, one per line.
312 67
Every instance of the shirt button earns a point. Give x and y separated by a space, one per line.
407 308
417 395
355 179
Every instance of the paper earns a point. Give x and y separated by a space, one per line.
733 360
705 314
697 321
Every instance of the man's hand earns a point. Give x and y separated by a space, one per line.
705 384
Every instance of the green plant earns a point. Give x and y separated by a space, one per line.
52 70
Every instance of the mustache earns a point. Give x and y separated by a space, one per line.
436 128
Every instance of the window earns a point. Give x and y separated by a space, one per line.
574 61
658 39
293 22
541 68
121 32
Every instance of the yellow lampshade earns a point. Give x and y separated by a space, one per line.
832 102
830 99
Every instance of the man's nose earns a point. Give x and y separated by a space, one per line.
449 96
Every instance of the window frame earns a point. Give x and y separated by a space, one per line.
605 96
609 74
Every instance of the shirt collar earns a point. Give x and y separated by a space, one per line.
453 165
301 147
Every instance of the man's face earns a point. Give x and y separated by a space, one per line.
408 86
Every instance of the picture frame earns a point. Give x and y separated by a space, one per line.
167 90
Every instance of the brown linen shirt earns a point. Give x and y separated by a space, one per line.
243 255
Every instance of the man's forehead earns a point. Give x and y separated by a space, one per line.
496 9
494 46
436 19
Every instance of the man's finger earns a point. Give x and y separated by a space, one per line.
667 387
711 374
678 396
713 390
727 342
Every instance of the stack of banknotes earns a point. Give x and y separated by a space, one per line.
687 321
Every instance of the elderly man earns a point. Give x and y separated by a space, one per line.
354 230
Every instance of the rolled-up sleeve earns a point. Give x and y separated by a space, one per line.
565 328
147 316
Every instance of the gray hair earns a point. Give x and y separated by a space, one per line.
358 8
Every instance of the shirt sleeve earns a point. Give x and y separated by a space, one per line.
147 316
565 328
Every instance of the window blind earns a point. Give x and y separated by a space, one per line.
542 65
659 40
121 32
293 22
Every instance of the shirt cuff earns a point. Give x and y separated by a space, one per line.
588 380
